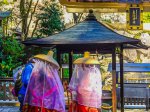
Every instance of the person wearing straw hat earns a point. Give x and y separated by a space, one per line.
86 85
22 81
45 92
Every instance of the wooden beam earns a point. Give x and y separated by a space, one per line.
114 100
77 49
93 4
102 7
121 79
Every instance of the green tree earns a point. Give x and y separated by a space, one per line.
12 55
146 17
50 20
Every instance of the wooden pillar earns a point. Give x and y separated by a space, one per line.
121 79
4 89
28 52
58 55
70 65
114 100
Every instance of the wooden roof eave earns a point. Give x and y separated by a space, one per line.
85 38
51 43
136 46
83 44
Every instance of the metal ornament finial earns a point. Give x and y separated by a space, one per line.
91 11
91 16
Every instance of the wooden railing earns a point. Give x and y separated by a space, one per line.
135 96
138 80
6 97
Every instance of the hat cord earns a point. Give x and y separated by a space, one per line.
43 89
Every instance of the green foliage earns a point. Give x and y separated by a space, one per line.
0 48
76 56
146 17
65 57
65 72
12 55
107 20
50 20
5 2
1 95
138 35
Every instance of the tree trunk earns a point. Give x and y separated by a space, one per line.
25 8
22 14
77 17
36 24
32 14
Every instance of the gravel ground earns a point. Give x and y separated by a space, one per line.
16 109
134 110
9 109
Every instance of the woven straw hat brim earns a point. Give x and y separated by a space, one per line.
79 61
47 58
92 61
86 61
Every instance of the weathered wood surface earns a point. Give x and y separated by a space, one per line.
6 85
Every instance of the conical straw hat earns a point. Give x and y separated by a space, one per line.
48 58
86 59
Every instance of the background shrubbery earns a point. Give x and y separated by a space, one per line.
12 55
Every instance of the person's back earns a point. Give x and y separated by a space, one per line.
25 79
45 92
17 73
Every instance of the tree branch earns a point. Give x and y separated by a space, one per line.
36 24
31 19
79 17
18 24
22 8
29 8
